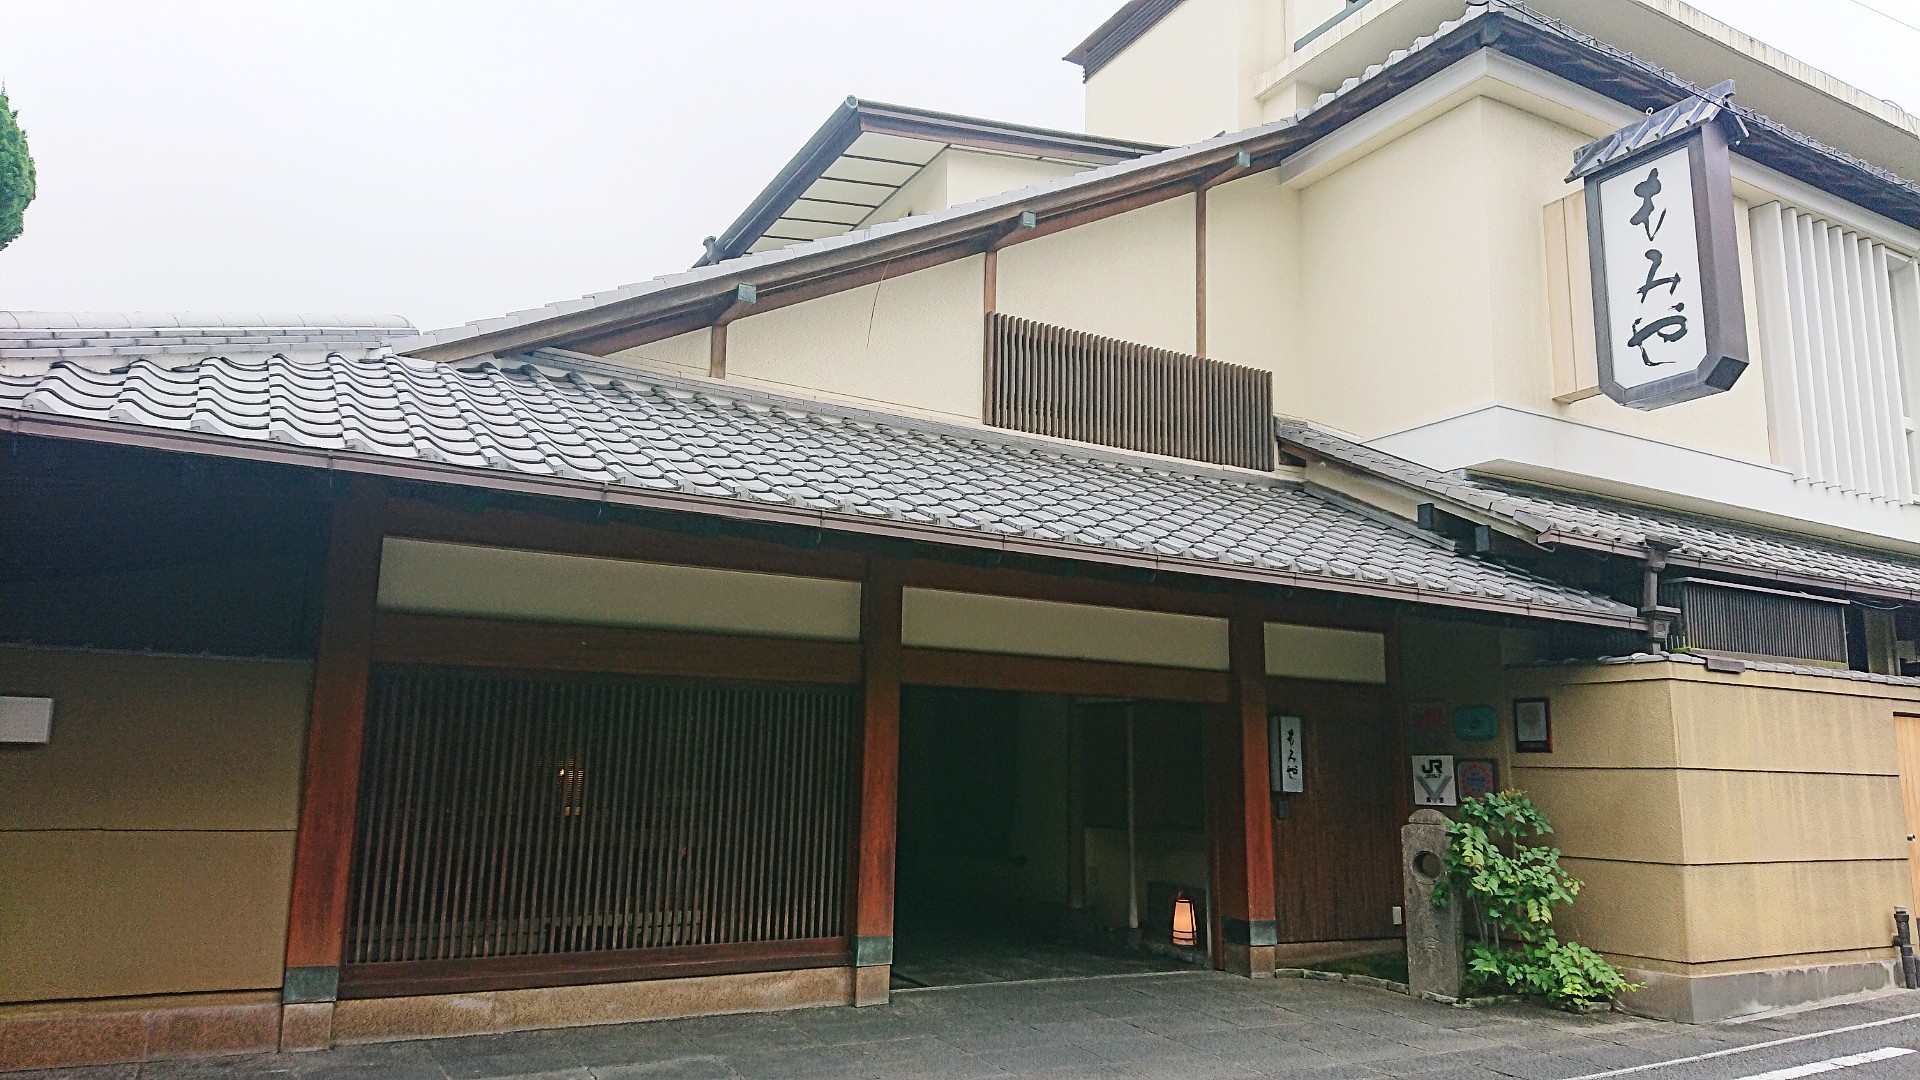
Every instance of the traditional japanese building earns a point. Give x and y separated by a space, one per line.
1000 529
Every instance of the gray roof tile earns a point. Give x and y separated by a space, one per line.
1557 516
643 432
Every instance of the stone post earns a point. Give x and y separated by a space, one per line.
1433 934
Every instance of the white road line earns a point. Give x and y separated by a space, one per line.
1831 1064
1789 1040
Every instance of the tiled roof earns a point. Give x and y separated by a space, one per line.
75 334
1582 520
584 430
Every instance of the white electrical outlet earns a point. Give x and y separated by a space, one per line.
1399 915
26 719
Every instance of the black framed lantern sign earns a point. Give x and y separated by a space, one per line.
1667 308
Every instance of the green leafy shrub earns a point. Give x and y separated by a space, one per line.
1511 887
16 173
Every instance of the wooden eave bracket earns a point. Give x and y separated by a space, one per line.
1242 165
1014 230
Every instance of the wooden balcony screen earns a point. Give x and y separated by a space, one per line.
1074 385
511 815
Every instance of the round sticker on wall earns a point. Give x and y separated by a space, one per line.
1475 777
1476 723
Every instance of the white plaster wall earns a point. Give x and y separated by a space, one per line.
975 174
690 351
938 619
1424 289
1319 652
1253 277
912 341
926 191
500 583
1181 81
1130 276
1394 307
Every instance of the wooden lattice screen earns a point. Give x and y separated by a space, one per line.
1074 385
509 815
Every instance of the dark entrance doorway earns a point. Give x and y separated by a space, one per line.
1016 859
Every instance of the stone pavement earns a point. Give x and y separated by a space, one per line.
1191 1025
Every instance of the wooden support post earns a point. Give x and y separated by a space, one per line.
879 782
1200 272
1242 808
990 280
323 846
717 351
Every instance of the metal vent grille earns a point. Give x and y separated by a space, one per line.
1757 622
506 815
1073 385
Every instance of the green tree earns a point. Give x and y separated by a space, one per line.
16 173
1511 885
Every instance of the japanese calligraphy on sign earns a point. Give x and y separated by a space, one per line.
1668 312
1286 758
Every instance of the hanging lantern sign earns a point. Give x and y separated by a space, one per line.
1186 930
1667 308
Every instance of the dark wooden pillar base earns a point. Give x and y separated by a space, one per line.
323 845
1242 840
879 782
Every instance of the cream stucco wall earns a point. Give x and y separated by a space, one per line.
1435 292
1766 806
1722 823
690 351
1130 276
148 848
502 583
1253 278
914 341
940 619
1189 77
976 174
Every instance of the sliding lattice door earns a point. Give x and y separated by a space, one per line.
507 815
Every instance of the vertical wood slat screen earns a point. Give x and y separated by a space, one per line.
1074 385
1840 333
508 815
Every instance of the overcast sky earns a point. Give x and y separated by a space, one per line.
456 160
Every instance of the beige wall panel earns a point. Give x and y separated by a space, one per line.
1619 814
972 174
1130 276
926 191
914 341
1732 725
1437 290
1775 909
1525 158
691 351
1176 857
1615 910
501 583
937 619
1619 725
142 742
1253 278
1318 652
1398 292
1179 82
1783 817
116 914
